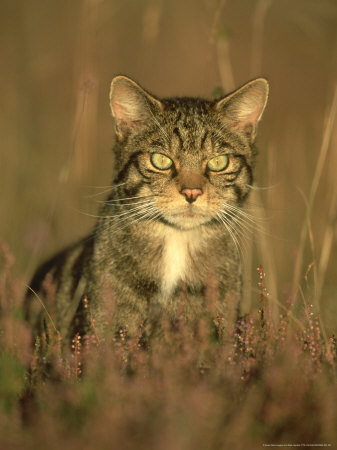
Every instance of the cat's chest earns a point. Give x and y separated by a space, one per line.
182 253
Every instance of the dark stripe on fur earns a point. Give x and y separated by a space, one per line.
177 133
203 139
248 167
122 173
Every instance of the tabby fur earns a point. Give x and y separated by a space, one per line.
166 241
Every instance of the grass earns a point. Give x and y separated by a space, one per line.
260 382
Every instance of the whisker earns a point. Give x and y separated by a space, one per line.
87 214
110 186
133 212
250 205
243 213
138 216
129 212
231 233
98 193
105 189
128 198
248 225
262 188
239 222
249 220
149 215
241 233
113 215
108 202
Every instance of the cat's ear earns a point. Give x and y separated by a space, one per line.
243 108
131 105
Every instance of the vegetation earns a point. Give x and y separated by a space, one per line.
259 382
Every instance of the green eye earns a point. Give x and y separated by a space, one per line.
218 163
160 161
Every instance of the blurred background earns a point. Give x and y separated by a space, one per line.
57 62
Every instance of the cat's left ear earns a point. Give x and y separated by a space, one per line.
243 109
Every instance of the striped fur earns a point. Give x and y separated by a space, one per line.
163 236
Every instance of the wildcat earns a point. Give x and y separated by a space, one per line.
167 234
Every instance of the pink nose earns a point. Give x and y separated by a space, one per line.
191 194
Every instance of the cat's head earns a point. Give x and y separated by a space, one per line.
190 159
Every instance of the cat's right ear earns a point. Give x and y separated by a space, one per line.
131 105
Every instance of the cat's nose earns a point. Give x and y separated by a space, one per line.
191 194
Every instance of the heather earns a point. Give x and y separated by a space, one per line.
258 381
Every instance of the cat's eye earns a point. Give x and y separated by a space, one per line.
161 161
218 163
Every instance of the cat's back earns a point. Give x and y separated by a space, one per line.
57 286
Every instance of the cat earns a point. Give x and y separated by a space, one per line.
167 235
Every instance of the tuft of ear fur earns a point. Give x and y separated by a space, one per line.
243 109
131 105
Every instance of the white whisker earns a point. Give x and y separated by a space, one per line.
231 232
127 198
243 213
239 210
110 186
108 202
244 219
243 226
245 222
140 215
98 193
105 189
130 211
148 203
262 188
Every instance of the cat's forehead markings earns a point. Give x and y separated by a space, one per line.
192 136
177 139
220 144
203 142
157 143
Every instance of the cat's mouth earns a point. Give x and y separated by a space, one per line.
189 214
188 218
190 211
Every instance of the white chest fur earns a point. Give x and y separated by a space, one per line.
179 251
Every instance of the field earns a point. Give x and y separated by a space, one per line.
270 379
